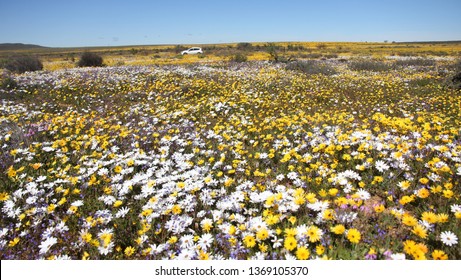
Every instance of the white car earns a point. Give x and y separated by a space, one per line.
192 51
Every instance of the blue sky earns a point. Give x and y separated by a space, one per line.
135 22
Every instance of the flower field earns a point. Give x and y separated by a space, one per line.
231 161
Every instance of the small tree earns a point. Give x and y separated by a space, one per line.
271 49
89 59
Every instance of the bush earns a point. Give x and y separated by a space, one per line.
291 47
456 80
273 51
330 55
90 60
369 65
244 46
23 64
455 67
415 62
6 81
311 67
239 57
311 55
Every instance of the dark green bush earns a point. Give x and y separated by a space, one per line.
369 65
89 59
330 55
6 81
456 80
455 67
272 50
311 67
239 57
21 64
291 47
244 46
415 62
311 55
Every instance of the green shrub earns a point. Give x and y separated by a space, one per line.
90 60
272 50
455 67
239 57
330 55
291 47
415 62
311 55
22 64
244 46
369 65
456 79
6 81
311 67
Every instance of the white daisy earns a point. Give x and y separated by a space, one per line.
218 257
63 258
280 177
455 208
448 238
122 212
205 241
41 179
46 245
292 175
381 166
187 241
301 231
318 206
3 232
61 227
363 194
48 149
77 203
276 243
157 249
257 224
106 250
187 254
259 256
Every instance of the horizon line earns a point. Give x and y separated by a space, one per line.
236 42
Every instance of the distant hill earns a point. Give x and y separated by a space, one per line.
18 46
